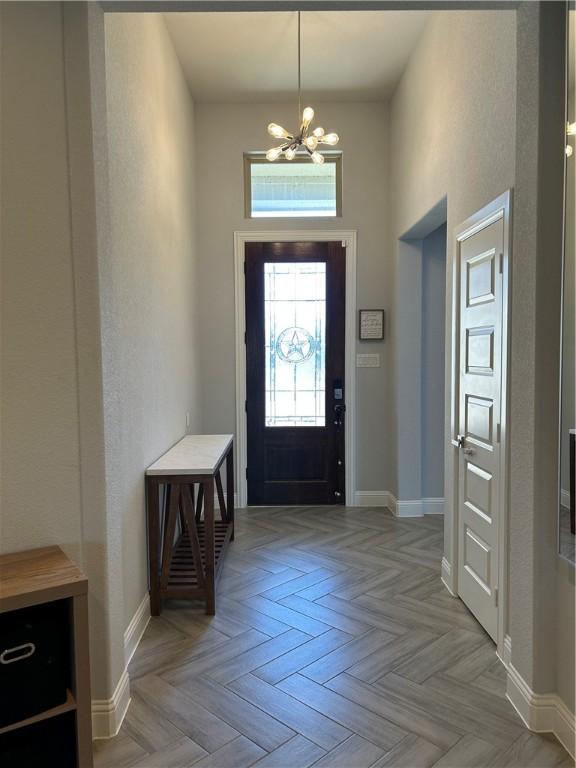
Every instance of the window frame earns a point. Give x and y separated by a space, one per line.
259 158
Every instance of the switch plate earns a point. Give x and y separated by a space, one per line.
368 361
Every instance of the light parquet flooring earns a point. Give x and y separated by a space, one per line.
335 645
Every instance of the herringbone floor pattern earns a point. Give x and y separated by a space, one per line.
334 645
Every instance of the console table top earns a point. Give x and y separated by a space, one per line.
193 455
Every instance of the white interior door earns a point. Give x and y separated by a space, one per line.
479 420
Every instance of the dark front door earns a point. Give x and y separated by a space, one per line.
295 321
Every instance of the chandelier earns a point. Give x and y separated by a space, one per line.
306 138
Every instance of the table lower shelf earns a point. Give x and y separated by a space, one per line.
183 581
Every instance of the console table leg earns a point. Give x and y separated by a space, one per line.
153 503
230 489
209 540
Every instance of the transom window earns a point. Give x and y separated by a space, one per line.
296 188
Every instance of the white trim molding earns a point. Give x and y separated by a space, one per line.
431 506
136 628
446 576
564 498
108 714
372 499
418 507
348 239
542 713
409 508
506 657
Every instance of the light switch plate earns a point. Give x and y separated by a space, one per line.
368 361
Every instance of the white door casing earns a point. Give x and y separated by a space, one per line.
480 400
348 239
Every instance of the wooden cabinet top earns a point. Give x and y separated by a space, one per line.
38 576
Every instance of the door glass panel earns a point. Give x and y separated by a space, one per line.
295 338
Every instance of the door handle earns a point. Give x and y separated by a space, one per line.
339 411
469 451
460 440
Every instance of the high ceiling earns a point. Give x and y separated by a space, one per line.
249 57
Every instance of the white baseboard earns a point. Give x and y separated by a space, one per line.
108 714
433 506
542 713
564 498
372 499
446 576
409 508
418 507
136 628
507 651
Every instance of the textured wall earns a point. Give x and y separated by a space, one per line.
52 417
148 277
450 136
541 583
224 132
40 485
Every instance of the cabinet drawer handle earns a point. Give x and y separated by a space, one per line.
18 653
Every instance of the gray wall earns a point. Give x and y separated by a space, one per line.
223 133
432 381
541 583
450 137
149 275
52 489
40 447
98 328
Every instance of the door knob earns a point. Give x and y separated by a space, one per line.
460 440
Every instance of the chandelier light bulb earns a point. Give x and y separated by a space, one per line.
331 138
569 150
273 154
571 129
317 158
307 116
290 153
277 131
311 142
318 132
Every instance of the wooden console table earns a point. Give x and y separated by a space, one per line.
185 551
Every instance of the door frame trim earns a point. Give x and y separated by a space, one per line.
348 238
500 208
